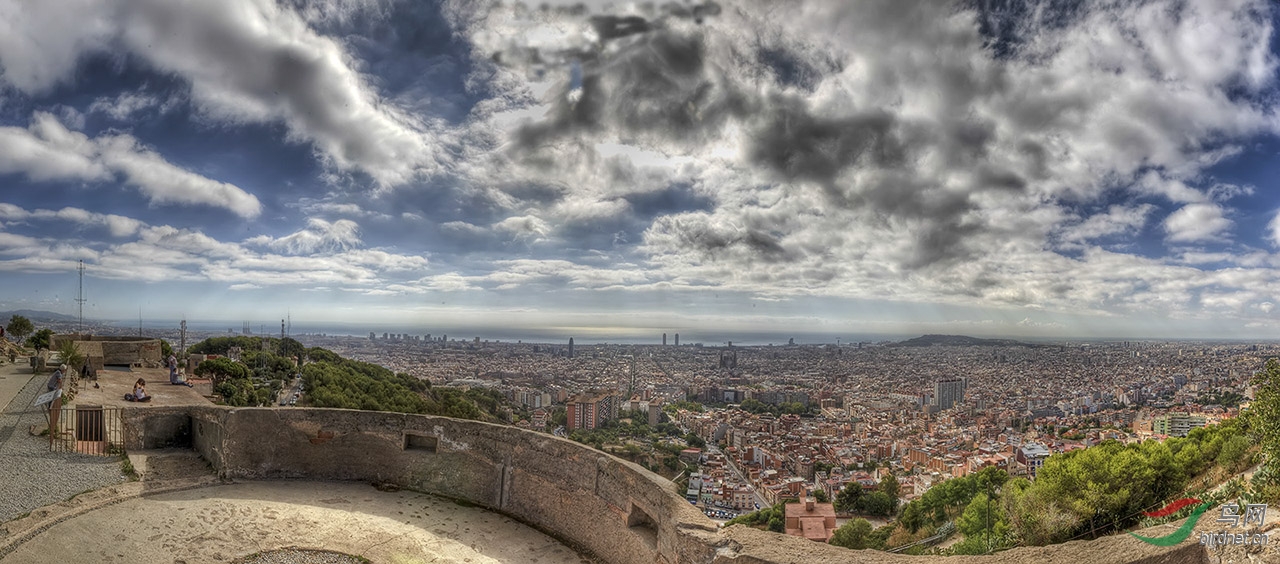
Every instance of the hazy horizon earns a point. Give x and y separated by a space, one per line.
990 168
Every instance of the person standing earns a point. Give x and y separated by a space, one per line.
55 380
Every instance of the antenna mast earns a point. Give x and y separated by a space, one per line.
80 297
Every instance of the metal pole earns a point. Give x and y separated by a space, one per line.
988 517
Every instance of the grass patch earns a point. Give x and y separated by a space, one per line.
126 468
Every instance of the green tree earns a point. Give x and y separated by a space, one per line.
221 369
912 517
317 354
980 512
41 339
1263 418
854 534
165 349
1232 456
755 406
820 496
849 498
694 440
290 348
777 525
889 485
19 327
878 503
71 356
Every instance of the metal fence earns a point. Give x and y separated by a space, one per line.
87 429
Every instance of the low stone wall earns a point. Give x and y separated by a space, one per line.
112 350
602 505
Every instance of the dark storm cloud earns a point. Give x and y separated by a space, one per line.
790 68
718 241
800 146
667 85
656 85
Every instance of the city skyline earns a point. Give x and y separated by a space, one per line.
980 168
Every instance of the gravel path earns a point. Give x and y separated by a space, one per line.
30 475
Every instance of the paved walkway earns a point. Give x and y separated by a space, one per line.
30 475
13 377
220 523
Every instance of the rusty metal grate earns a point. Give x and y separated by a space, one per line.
87 429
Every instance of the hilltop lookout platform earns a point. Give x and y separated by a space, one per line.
266 463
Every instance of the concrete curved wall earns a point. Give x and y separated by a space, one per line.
613 509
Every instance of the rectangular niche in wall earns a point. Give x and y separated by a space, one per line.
640 523
419 441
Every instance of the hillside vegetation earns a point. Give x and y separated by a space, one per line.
331 380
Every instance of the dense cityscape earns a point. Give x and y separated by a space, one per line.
798 418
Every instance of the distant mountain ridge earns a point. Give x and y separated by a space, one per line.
959 341
35 315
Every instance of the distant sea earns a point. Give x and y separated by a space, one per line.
707 338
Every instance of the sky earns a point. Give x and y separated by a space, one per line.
1092 168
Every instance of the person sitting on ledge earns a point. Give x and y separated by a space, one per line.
139 391
174 378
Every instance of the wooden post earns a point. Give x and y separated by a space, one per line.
55 412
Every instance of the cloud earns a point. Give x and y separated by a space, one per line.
167 254
524 227
1118 220
319 235
1273 229
1197 222
246 61
898 150
46 150
116 225
124 106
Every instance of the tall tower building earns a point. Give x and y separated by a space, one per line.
664 339
590 410
570 347
677 339
949 392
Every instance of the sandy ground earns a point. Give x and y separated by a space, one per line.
220 523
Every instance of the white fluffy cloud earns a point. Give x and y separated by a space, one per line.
116 225
255 61
319 235
1197 222
322 255
47 150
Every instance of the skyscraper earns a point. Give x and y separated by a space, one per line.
677 339
570 347
664 339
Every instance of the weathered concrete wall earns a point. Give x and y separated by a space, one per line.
156 427
596 502
113 350
605 506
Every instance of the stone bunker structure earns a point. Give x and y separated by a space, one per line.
601 505
103 351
